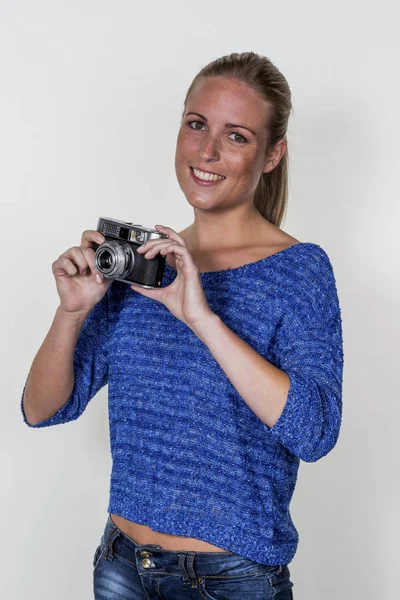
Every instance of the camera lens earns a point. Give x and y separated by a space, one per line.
106 261
114 259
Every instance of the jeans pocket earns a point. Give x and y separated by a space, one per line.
237 587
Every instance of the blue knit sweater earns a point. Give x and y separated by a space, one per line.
189 457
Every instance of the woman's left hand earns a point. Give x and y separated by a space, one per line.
185 297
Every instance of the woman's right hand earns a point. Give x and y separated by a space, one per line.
75 274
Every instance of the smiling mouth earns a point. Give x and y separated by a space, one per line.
204 176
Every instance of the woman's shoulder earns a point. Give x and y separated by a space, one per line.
310 252
309 279
266 242
304 257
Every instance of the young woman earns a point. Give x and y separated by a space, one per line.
220 381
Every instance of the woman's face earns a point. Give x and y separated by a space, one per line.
223 131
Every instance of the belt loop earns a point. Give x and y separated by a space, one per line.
191 571
114 533
182 568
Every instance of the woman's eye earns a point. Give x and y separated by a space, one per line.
242 139
190 123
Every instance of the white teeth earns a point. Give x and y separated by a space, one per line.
207 176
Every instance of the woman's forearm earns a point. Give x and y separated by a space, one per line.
262 386
51 377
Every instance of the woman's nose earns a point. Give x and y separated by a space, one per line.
209 148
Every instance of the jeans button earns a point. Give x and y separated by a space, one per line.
146 563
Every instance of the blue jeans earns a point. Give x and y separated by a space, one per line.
125 570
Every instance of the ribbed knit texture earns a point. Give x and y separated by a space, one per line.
189 457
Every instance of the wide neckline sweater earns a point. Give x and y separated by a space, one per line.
189 457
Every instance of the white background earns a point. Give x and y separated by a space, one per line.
91 99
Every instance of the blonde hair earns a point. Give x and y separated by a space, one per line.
259 73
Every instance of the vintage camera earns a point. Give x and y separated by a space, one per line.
117 258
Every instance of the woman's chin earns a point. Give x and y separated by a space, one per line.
198 200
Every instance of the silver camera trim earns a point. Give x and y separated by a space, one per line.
138 235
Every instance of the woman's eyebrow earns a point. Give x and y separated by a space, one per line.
226 124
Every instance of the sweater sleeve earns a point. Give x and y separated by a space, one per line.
90 366
308 346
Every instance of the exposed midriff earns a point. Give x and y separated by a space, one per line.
142 534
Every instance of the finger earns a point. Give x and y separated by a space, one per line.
181 253
64 266
154 248
79 259
171 234
72 256
89 236
89 255
153 243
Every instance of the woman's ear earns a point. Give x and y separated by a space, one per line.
275 155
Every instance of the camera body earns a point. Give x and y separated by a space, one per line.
117 258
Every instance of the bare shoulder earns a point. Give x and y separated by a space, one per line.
272 239
289 240
261 244
277 235
263 241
